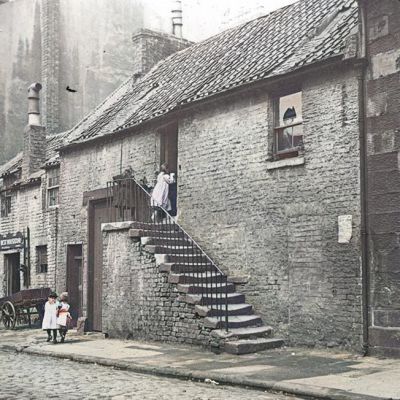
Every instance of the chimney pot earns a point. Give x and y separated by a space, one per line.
33 104
177 19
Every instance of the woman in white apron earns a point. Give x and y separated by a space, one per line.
159 196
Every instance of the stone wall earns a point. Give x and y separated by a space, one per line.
278 227
29 210
383 136
138 301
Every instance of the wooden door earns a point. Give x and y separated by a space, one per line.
98 215
74 280
169 147
12 262
169 155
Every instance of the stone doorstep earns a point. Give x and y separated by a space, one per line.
238 333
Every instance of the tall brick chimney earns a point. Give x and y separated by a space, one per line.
34 135
150 47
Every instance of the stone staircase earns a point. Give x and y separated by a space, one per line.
246 332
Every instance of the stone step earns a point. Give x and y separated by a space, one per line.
184 258
240 321
215 298
172 241
207 278
186 268
150 226
241 333
199 289
139 233
218 310
246 346
181 250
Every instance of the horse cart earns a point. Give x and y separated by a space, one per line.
20 307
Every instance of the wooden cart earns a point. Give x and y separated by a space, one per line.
21 306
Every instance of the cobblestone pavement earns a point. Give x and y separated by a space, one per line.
30 377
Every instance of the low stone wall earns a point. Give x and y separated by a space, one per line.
138 301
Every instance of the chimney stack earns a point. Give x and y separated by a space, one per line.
34 135
33 104
177 18
150 47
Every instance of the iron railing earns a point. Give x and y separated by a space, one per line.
190 266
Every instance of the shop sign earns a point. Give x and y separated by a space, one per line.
11 241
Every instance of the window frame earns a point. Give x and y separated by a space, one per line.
41 255
6 205
53 187
278 127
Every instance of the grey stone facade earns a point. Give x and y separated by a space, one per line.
279 227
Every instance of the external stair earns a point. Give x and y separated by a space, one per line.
202 284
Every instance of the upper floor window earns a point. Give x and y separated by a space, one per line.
288 132
5 205
53 182
41 259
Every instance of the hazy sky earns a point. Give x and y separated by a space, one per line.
204 18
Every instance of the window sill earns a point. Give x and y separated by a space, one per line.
285 162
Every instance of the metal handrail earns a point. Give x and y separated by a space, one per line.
182 229
122 191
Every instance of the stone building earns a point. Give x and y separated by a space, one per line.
283 134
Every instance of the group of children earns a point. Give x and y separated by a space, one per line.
56 316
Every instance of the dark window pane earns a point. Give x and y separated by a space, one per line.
52 197
41 259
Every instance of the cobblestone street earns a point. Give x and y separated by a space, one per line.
31 377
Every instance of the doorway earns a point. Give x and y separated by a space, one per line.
13 274
169 155
74 280
98 214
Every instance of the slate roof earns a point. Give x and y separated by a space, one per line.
285 40
12 165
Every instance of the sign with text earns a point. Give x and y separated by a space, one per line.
11 241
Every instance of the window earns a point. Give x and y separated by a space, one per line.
288 133
5 205
53 181
41 259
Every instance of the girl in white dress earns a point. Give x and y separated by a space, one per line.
49 323
159 196
63 315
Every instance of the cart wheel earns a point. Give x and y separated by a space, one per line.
8 315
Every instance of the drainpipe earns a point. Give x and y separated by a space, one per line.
364 176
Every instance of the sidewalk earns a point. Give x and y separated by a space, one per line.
303 372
